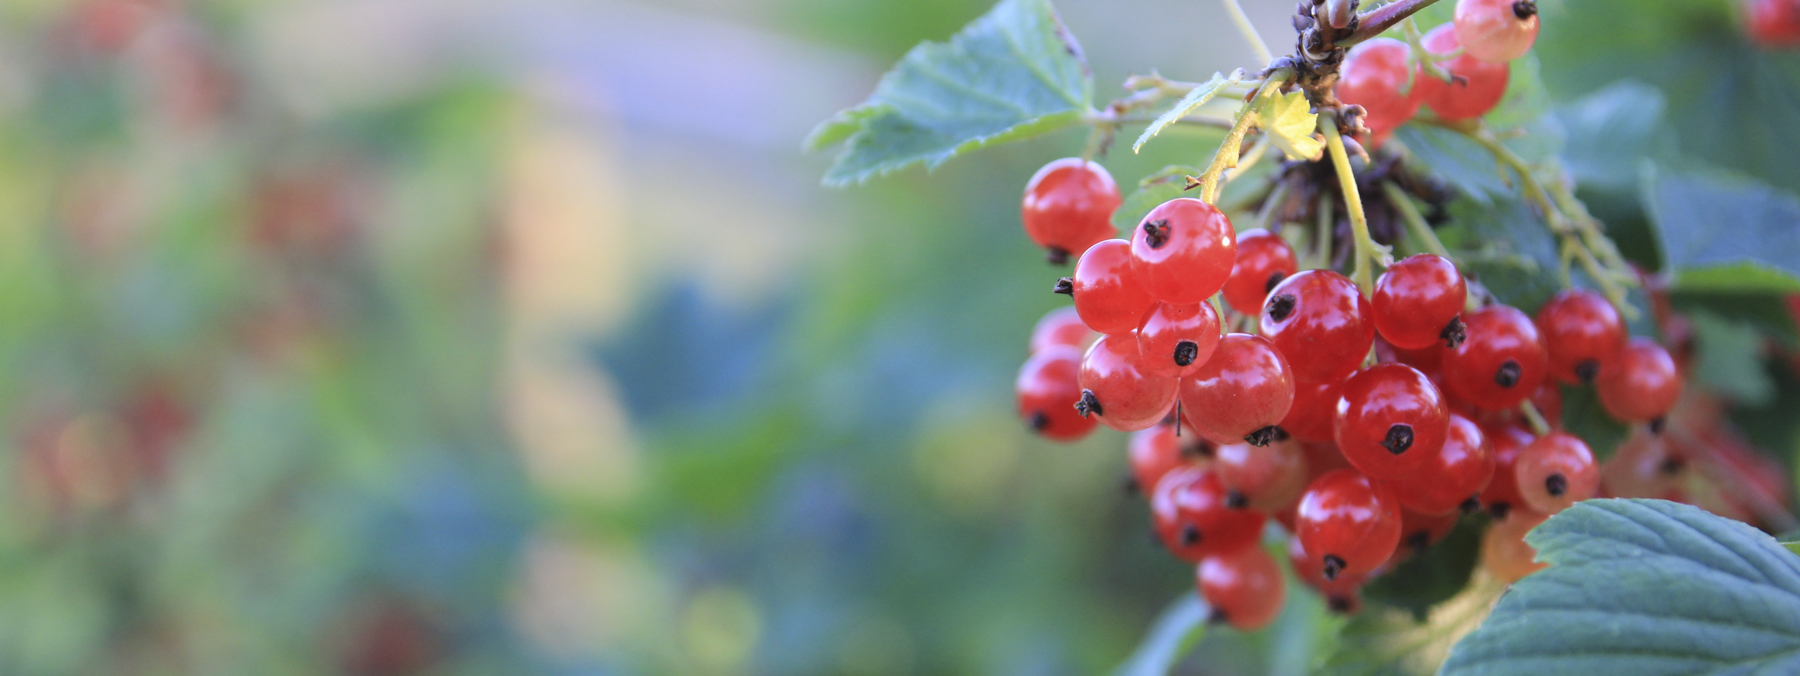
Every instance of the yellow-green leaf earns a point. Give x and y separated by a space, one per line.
1288 121
1188 104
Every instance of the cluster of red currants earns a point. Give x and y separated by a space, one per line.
1358 422
1474 50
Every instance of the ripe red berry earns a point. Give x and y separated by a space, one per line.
1372 76
1195 515
1556 471
1344 585
1581 331
1504 552
1347 524
1263 260
1047 388
1774 24
1241 393
1117 389
1061 326
1156 451
1454 477
1642 467
1496 30
1069 206
1320 322
1502 361
1506 441
1314 413
1429 359
1271 477
1245 587
1390 421
1418 531
1177 339
1417 302
1639 384
1184 250
1108 296
1481 86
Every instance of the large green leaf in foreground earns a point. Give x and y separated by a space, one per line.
1643 587
1014 72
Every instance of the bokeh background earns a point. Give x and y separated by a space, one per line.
518 337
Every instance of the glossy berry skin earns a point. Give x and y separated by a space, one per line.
1048 387
1485 85
1556 471
1581 331
1116 389
1501 362
1455 475
1245 388
1348 524
1496 31
1640 383
1068 207
1418 531
1504 552
1244 586
1184 250
1108 295
1314 413
1320 322
1390 421
1415 301
1337 590
1176 340
1271 477
1195 515
1061 326
1774 24
1372 76
1263 260
1506 441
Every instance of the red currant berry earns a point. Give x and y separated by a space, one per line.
1108 295
1314 412
1497 31
1390 421
1642 467
1502 361
1639 384
1117 389
1372 76
1506 441
1455 477
1418 531
1310 573
1504 552
1320 321
1177 339
1581 331
1184 250
1263 260
1061 326
1047 387
1774 24
1417 302
1271 477
1481 86
1347 524
1244 587
1322 459
1069 206
1156 451
1556 471
1195 515
1241 393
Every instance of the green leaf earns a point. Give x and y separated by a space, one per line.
1176 630
1011 74
1432 576
1188 104
1610 132
1508 248
1768 313
1288 121
1730 358
1643 587
1389 642
1720 232
1792 546
1455 159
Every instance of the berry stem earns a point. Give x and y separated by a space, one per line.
1227 157
1538 425
1378 21
1366 248
1415 221
1322 228
1242 20
1415 40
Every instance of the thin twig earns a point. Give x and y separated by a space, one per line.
1367 249
1242 20
1376 22
1415 222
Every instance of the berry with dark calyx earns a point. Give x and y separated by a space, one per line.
1108 296
1476 85
1047 387
1348 524
1640 383
1117 389
1502 362
1556 471
1774 24
1154 452
1391 421
1314 413
1245 587
1457 473
1506 440
1068 206
1193 515
1496 31
1061 326
1320 322
1504 552
1419 531
1176 340
1373 76
1642 467
1416 301
1263 260
1581 331
1271 477
1245 387
1184 250
1311 573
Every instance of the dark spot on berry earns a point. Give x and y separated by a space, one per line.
1333 565
1499 510
1057 255
1275 279
1454 333
1190 535
1341 605
1656 426
1419 540
1156 233
1399 438
1088 404
1556 485
1185 352
1471 505
1281 434
1508 373
1130 486
1281 306
1235 499
1039 421
1065 286
1263 436
1672 465
1217 616
1587 369
1525 9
